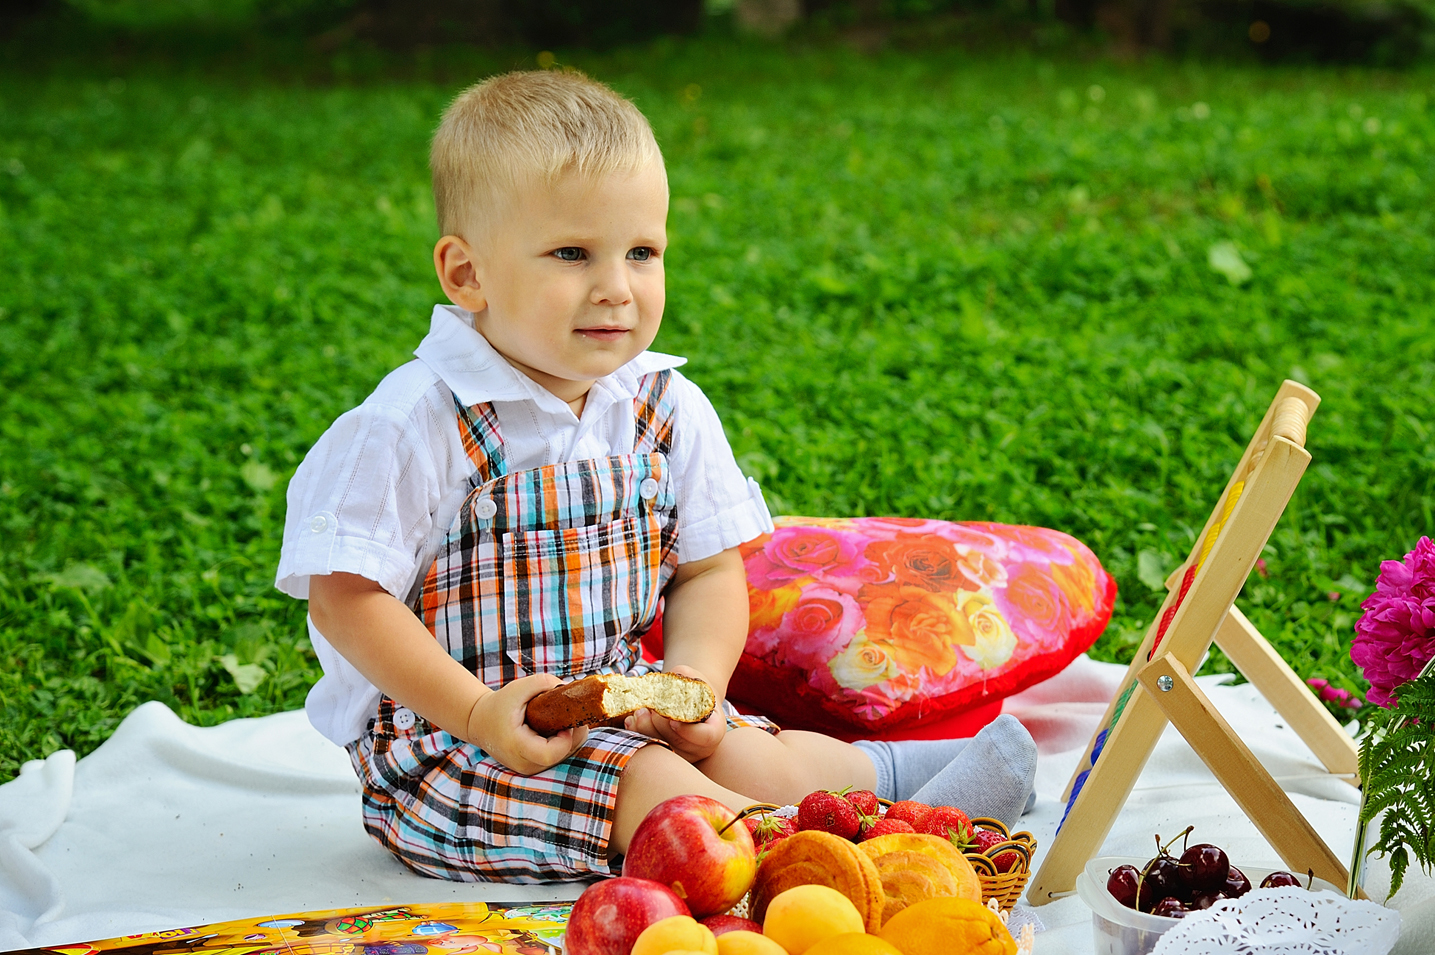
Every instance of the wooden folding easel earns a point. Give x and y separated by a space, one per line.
1158 687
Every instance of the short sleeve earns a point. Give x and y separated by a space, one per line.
364 499
718 507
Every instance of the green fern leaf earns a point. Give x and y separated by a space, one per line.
1397 767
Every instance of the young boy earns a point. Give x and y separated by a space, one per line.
504 513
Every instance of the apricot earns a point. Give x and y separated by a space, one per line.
804 915
676 933
743 942
943 926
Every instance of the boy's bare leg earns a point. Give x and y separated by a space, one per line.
750 765
654 774
782 769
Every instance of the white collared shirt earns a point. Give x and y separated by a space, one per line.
378 492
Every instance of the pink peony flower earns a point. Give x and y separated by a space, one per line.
1395 637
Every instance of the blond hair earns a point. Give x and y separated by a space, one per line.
515 128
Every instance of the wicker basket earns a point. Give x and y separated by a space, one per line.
1004 887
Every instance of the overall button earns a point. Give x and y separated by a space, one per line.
404 718
318 523
648 489
485 509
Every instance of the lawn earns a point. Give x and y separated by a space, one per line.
925 283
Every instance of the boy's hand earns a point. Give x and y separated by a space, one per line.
496 726
692 741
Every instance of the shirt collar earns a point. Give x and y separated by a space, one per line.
475 371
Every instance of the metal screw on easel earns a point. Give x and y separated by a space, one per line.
1165 683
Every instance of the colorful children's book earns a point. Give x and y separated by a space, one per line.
448 928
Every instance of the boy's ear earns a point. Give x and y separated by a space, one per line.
457 269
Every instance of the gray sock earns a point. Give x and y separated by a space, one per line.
905 765
993 776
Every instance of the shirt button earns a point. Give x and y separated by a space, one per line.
648 489
318 523
404 718
485 509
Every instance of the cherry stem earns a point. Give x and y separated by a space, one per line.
1162 850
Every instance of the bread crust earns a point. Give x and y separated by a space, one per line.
609 698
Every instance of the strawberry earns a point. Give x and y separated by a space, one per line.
964 839
885 827
1005 860
946 820
828 812
915 814
983 840
866 802
768 829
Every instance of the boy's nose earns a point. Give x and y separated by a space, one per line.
610 287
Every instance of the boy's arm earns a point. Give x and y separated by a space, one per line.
704 631
394 651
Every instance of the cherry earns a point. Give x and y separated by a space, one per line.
1123 884
1204 867
1204 899
1237 884
1279 880
1160 879
1170 907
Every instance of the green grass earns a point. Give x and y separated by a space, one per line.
929 284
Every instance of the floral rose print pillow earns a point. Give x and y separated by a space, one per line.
875 623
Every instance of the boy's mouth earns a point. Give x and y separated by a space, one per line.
603 333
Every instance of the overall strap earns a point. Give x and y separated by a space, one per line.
482 442
654 413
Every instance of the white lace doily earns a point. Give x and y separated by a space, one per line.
1289 921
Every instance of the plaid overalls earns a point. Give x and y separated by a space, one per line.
552 570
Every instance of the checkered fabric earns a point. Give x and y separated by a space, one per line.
552 570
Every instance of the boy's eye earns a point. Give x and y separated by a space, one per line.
569 253
641 254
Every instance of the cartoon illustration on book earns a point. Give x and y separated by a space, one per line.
450 928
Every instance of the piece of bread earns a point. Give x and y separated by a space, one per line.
820 858
608 698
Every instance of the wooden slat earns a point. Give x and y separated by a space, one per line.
1127 749
1283 689
1261 798
1219 581
1258 443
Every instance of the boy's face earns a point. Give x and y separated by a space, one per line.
568 283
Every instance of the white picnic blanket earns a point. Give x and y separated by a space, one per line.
170 825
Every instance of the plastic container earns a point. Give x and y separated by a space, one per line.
1123 931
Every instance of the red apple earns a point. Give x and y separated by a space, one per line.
720 924
691 845
610 915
